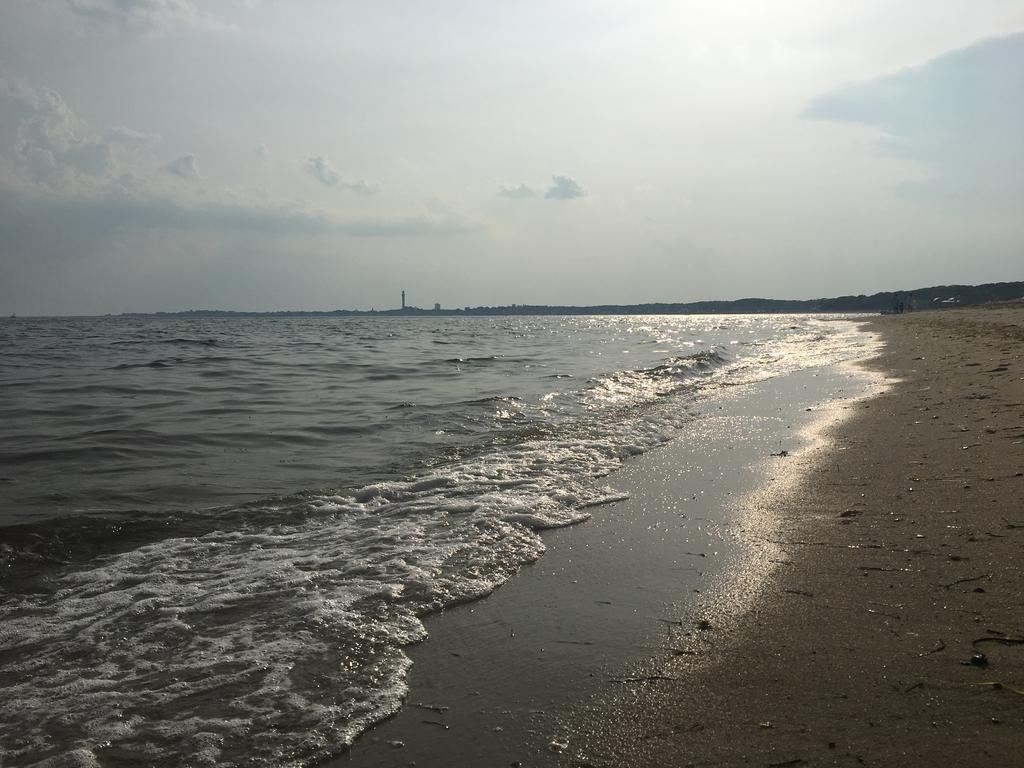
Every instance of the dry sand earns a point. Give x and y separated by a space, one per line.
890 629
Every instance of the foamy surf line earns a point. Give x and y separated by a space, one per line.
280 644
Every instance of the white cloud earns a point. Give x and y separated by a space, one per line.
564 188
517 192
360 187
183 167
54 167
44 142
320 169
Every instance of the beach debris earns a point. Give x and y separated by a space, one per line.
851 512
883 613
801 592
787 763
432 707
894 606
703 625
396 744
641 679
939 646
438 723
782 453
997 686
967 580
977 659
1005 640
915 686
558 747
766 724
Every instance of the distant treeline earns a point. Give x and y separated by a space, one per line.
936 297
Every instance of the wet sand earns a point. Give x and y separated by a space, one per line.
888 628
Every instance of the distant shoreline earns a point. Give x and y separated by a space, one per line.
934 297
942 296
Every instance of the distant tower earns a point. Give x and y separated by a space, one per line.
403 299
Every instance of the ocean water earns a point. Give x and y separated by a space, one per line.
217 535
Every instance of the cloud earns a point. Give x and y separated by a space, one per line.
183 167
132 139
44 142
360 187
54 168
147 15
320 169
413 226
112 213
563 188
518 192
960 115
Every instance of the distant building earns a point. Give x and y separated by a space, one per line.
437 307
403 299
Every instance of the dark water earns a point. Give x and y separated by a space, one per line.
217 535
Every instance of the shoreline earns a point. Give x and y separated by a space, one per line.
890 632
495 679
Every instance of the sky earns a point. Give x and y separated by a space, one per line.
161 155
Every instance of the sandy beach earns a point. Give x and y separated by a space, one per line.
889 629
